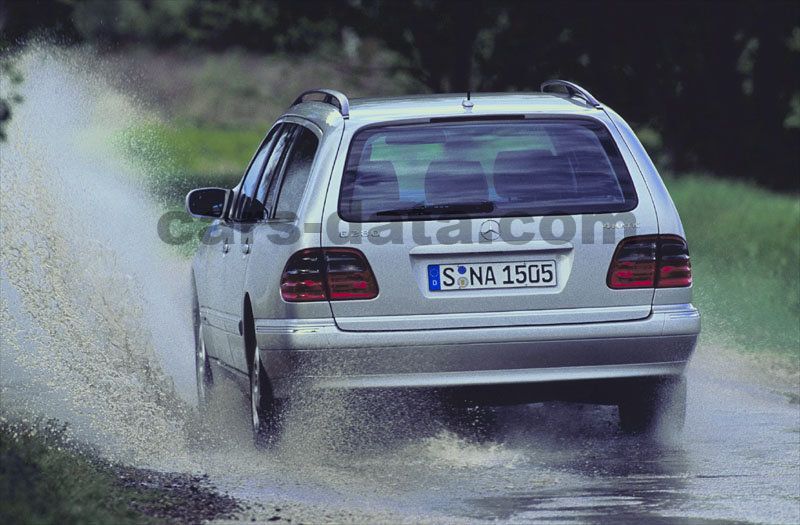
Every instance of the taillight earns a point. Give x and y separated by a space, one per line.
674 265
634 263
349 275
335 274
652 261
303 277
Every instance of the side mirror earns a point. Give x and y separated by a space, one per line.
207 202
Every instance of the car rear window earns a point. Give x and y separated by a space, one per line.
508 168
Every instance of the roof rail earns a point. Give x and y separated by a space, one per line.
331 96
572 89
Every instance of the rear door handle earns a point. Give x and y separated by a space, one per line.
245 249
226 247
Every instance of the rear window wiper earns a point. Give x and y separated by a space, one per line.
441 209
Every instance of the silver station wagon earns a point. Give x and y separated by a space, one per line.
498 248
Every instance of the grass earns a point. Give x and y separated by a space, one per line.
744 241
44 480
209 150
177 158
47 478
745 247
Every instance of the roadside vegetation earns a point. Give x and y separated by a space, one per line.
745 248
46 478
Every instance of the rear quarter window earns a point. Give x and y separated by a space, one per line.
472 169
296 172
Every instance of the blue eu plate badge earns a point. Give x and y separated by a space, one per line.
434 281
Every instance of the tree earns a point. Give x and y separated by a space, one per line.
437 38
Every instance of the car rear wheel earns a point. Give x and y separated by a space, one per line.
655 406
204 377
264 409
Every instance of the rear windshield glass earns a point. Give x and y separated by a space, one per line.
468 169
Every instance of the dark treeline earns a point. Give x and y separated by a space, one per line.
718 81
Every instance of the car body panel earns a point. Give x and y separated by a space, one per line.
307 354
211 290
274 241
669 222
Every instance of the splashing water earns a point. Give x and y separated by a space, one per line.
94 310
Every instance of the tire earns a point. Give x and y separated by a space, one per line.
265 410
203 376
657 406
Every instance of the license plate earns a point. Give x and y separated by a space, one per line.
476 276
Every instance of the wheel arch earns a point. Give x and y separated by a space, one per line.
248 331
250 342
196 322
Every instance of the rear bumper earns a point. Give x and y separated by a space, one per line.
302 354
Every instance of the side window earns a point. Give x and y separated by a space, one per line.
247 189
266 187
296 172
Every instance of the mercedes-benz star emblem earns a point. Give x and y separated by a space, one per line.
490 230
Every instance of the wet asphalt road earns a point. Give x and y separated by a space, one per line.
738 461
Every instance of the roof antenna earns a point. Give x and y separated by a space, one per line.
467 102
